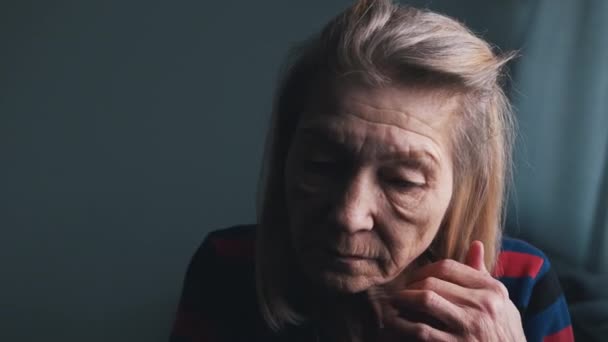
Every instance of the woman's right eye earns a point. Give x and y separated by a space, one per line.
317 175
319 164
321 167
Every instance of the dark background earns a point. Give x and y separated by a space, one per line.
130 129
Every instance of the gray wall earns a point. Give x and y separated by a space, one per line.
128 130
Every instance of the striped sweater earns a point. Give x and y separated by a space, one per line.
218 300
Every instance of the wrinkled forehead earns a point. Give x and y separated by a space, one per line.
429 105
423 111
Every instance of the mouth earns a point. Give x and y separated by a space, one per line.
329 260
345 256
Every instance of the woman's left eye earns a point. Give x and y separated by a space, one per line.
319 165
403 184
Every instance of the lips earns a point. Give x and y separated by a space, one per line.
342 250
346 255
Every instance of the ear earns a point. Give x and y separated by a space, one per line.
475 256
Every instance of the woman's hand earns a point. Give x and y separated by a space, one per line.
450 301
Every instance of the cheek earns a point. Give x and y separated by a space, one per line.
306 192
419 209
306 206
417 222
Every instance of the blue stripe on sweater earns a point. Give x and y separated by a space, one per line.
520 290
549 321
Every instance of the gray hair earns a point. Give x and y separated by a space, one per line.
379 42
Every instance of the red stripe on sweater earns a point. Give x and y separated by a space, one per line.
564 335
517 264
233 248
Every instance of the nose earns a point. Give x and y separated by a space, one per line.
355 205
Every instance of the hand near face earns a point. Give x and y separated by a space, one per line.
450 301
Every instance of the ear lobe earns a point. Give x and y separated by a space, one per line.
475 256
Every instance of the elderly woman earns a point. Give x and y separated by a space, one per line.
382 200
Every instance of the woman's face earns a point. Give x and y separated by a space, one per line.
368 181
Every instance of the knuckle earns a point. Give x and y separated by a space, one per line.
446 265
428 298
492 305
430 283
422 331
495 287
502 289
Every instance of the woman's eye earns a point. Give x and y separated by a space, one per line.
319 165
317 175
404 184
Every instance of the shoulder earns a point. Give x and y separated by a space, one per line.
526 271
535 289
225 257
519 259
219 252
220 285
236 242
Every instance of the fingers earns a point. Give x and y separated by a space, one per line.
436 309
452 292
428 307
420 331
454 272
448 299
471 274
475 256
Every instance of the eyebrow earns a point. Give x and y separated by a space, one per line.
321 135
418 159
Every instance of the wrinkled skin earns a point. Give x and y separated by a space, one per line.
368 181
369 178
463 300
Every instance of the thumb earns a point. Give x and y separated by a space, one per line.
475 256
